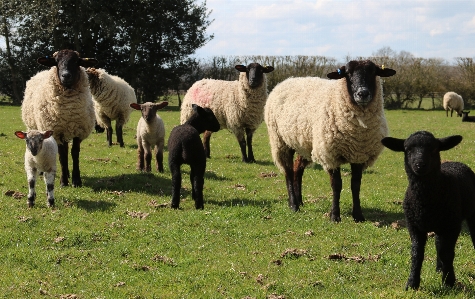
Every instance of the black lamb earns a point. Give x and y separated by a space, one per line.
438 198
466 117
185 147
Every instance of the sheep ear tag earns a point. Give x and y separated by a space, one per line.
20 134
339 74
385 72
394 144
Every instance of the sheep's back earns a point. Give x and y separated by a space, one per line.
459 181
184 146
453 100
217 95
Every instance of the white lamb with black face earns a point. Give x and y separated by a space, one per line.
40 156
330 122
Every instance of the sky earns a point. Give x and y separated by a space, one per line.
341 28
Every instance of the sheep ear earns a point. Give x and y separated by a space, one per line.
385 72
241 68
87 62
47 61
135 106
47 134
197 108
162 105
20 134
268 69
394 144
449 142
339 74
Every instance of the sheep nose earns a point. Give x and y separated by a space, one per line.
66 76
363 93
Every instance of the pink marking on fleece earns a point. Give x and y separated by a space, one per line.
201 96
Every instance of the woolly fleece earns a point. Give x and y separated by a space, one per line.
317 119
47 105
453 101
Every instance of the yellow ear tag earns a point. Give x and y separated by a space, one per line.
382 67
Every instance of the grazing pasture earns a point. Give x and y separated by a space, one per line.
117 237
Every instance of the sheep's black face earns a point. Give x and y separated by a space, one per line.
361 81
422 153
255 73
68 67
34 143
212 123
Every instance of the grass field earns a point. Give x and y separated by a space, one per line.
116 238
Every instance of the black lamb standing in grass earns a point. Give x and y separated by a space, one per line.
466 117
185 147
438 198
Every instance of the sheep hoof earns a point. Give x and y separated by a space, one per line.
335 218
359 219
31 204
294 208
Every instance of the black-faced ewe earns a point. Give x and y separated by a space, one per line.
40 156
112 96
438 198
452 101
184 147
150 134
330 122
466 117
59 99
238 105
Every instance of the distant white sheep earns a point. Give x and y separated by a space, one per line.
113 96
453 101
238 105
150 133
59 99
330 122
40 156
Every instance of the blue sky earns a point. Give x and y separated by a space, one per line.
340 28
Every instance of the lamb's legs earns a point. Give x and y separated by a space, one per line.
176 184
446 254
418 243
76 175
250 155
159 156
356 176
31 177
206 146
63 161
140 157
109 133
197 183
336 183
49 181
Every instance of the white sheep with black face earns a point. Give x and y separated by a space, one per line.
330 122
59 99
452 101
40 156
238 105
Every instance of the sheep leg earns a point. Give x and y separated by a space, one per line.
148 158
299 167
159 156
206 146
197 183
250 156
446 254
336 184
284 158
76 175
356 176
119 133
176 184
140 155
49 182
31 177
418 243
109 133
63 161
471 227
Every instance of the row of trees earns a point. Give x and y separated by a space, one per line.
416 77
147 42
150 44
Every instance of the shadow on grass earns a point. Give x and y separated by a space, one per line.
94 205
149 183
242 202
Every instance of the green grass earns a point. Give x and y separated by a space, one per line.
112 238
